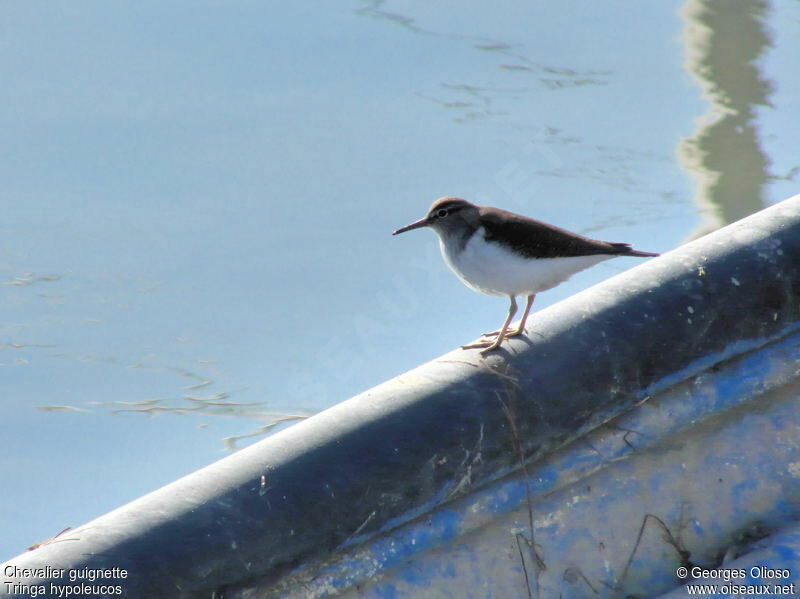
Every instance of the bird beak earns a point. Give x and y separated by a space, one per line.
423 222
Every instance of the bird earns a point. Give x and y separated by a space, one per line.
501 253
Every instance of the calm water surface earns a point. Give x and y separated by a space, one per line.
198 200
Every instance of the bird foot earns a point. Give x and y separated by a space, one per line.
508 334
486 345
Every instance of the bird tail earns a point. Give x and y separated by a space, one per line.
625 249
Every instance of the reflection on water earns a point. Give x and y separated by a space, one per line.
724 39
30 278
59 408
476 101
27 355
209 406
510 94
215 405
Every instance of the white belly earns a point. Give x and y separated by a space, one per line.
491 269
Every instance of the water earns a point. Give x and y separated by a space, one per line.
198 201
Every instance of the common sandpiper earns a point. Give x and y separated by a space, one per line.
497 252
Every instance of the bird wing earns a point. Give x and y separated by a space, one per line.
535 239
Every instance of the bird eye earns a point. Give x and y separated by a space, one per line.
441 213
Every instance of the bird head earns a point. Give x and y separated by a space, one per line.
445 216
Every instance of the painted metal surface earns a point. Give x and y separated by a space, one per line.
661 402
769 565
686 477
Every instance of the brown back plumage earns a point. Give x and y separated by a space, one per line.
535 239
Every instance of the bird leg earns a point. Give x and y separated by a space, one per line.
490 345
521 328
